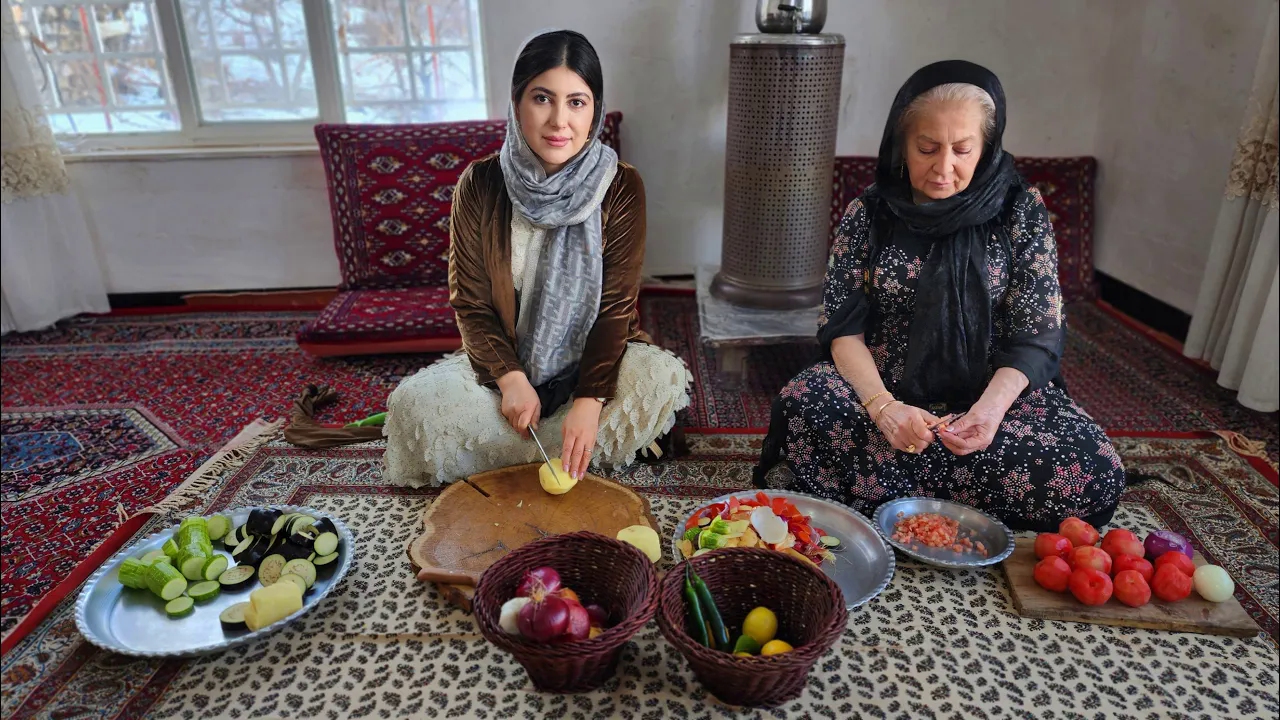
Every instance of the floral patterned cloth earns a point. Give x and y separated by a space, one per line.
1048 460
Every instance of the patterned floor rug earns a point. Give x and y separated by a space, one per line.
935 644
103 413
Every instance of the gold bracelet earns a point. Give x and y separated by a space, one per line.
873 398
876 418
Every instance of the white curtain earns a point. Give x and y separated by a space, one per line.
1236 325
48 268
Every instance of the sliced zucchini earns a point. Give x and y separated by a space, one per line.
301 568
133 573
326 544
271 569
237 577
204 591
232 617
170 548
261 520
214 568
153 556
219 526
192 565
164 580
179 607
296 580
322 560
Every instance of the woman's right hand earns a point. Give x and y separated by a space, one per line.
906 427
520 404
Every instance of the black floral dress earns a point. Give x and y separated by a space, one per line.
1049 460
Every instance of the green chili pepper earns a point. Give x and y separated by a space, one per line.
697 624
711 612
371 421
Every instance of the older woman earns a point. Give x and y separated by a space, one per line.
547 240
943 329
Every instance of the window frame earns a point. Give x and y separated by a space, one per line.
195 133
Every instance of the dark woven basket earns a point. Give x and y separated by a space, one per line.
604 571
811 617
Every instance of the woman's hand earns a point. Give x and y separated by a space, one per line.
973 431
580 428
520 404
906 427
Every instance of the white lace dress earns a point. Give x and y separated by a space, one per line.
443 425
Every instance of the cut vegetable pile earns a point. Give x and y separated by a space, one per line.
935 531
759 521
282 550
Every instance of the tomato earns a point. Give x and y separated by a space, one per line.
1052 573
1091 587
1122 542
1129 562
762 499
733 505
1052 544
1131 588
1184 564
1089 556
1078 532
1170 584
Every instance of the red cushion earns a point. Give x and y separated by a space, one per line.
391 191
1067 186
362 322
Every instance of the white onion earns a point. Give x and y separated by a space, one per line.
1213 583
510 612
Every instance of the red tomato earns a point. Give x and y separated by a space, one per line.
1129 562
1183 563
1131 588
1170 584
1091 587
1052 544
1052 573
1078 532
1089 556
1122 542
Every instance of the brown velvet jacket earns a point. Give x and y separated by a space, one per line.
483 294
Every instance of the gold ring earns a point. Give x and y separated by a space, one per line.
911 448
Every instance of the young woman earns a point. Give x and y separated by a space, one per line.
546 244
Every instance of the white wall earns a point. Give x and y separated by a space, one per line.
1070 76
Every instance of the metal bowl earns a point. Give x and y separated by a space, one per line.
133 622
864 564
995 535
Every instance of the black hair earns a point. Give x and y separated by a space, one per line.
560 48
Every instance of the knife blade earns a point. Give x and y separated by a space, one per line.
546 459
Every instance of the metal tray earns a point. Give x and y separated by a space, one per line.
997 537
864 564
132 622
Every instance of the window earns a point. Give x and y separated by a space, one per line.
150 73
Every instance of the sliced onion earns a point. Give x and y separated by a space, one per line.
771 528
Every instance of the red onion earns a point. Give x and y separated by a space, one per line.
538 582
545 620
579 626
1160 542
599 617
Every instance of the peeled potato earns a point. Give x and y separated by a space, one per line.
271 603
556 482
643 537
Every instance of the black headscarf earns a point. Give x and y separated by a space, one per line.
947 349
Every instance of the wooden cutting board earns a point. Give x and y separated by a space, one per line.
1192 614
478 520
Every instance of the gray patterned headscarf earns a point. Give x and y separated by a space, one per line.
565 298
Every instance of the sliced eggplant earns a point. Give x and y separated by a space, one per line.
324 525
302 539
243 547
322 560
298 580
302 569
252 558
270 569
237 577
232 618
290 551
234 536
261 520
326 543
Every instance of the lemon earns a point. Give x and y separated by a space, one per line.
761 625
775 647
743 654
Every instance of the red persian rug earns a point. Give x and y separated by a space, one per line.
108 413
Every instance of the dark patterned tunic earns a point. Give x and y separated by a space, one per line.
1049 460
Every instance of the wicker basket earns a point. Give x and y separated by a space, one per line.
811 616
608 572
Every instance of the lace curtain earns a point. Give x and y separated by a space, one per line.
1236 324
49 269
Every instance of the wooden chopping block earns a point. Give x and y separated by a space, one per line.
478 520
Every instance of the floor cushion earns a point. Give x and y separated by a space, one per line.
393 320
1067 186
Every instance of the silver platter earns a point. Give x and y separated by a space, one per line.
864 563
995 535
133 622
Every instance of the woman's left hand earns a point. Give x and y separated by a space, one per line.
973 431
580 436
